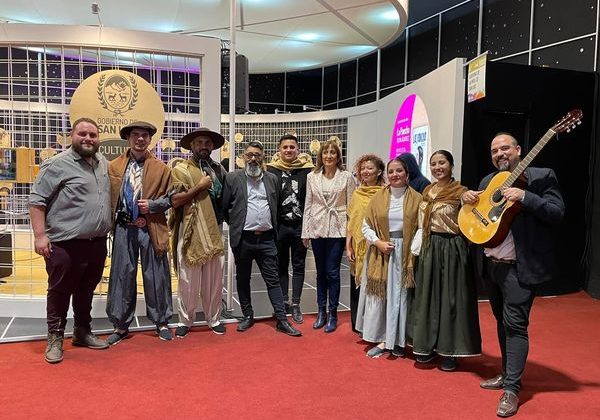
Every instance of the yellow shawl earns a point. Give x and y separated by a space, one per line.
356 213
377 217
302 161
202 237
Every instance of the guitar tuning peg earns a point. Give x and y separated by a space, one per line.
568 130
578 122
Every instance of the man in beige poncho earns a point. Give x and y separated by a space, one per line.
196 224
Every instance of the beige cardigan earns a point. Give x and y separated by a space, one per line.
326 218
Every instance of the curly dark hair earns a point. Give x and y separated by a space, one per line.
376 161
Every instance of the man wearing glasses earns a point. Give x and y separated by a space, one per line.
250 198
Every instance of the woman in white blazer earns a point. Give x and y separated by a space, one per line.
328 192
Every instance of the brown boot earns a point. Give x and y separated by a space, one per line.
54 349
83 337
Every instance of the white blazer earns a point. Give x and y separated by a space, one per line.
326 218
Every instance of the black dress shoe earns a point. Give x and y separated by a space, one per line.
297 314
508 405
286 327
497 382
424 358
246 323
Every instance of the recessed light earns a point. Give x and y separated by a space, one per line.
390 15
307 36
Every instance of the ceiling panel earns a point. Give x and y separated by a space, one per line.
270 35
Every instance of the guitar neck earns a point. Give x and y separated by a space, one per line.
518 171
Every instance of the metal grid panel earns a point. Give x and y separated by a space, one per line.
37 82
269 133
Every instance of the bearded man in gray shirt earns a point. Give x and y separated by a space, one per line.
69 207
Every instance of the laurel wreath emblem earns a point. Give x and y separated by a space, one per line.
134 93
117 112
99 90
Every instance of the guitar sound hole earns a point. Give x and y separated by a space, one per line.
495 212
497 197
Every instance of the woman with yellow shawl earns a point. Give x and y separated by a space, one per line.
444 313
369 171
389 226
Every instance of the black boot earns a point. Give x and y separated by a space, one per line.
321 318
331 321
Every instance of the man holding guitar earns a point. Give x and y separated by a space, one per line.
514 266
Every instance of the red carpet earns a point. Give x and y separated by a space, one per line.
262 374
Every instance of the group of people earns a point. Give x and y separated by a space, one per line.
412 277
411 263
413 271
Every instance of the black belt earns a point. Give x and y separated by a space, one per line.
264 234
499 261
124 219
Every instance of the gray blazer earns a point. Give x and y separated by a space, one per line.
235 202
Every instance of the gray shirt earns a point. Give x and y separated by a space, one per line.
76 196
258 215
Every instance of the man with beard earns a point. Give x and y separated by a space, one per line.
513 269
291 174
196 225
139 186
69 207
250 202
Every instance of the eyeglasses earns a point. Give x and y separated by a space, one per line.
250 156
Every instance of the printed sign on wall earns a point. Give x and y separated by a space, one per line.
411 131
476 78
115 98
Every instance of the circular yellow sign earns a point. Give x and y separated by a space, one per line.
238 137
4 138
115 98
314 147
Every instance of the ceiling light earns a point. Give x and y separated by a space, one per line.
302 64
390 15
307 36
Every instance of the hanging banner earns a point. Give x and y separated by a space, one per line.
476 78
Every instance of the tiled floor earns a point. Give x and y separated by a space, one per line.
22 329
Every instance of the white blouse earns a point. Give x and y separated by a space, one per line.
395 215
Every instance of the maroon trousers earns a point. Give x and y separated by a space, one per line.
74 268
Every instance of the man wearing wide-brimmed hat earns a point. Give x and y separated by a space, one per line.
196 223
139 184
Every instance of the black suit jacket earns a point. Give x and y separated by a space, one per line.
532 228
235 202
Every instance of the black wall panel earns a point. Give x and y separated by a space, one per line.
392 63
459 32
347 80
505 27
558 20
422 48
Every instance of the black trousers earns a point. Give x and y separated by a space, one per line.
511 303
74 268
289 241
262 249
354 296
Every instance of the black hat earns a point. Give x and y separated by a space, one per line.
216 138
126 130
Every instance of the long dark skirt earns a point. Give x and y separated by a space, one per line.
444 311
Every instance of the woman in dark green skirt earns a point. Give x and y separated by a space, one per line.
444 313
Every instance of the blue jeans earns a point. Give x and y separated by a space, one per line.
328 257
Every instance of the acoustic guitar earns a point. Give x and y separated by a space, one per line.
488 221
